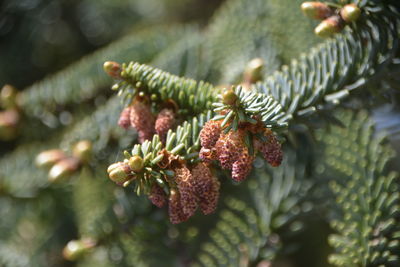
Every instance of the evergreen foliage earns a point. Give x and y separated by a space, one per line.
310 97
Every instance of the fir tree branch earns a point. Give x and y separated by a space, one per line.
335 68
366 218
243 231
194 97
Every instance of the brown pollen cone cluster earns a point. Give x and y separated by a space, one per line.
139 116
165 121
192 187
231 151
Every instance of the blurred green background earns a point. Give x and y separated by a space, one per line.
40 37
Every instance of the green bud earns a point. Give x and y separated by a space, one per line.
350 12
253 72
113 69
316 10
329 27
49 157
75 249
63 169
229 97
136 163
119 172
83 150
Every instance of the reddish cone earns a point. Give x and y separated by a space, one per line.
157 196
142 120
206 186
125 118
188 197
165 121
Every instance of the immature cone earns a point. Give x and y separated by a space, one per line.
83 150
210 133
142 120
165 121
242 166
157 196
76 249
63 169
188 197
350 12
316 10
206 186
329 26
176 214
253 72
113 69
125 118
271 149
119 172
49 157
229 147
8 97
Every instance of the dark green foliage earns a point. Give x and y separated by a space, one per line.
366 216
341 177
85 79
247 225
190 96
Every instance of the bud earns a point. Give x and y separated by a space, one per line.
142 120
83 150
350 12
328 27
136 163
119 172
206 186
113 69
210 133
8 97
175 211
62 169
253 72
125 118
188 198
76 249
165 121
49 157
157 196
316 10
229 97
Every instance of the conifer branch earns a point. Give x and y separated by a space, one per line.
335 68
250 230
366 218
191 96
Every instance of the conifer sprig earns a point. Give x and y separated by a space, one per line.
240 106
191 96
182 144
335 68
